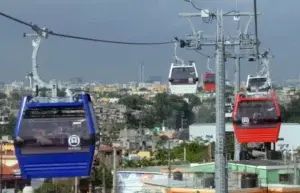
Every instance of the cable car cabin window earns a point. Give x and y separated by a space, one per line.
210 78
47 131
257 114
257 82
183 75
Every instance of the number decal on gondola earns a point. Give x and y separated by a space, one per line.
74 142
245 120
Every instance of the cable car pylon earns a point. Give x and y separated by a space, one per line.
221 179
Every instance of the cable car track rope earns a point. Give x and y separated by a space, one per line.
37 29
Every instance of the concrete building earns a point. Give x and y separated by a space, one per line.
267 171
110 113
271 177
105 156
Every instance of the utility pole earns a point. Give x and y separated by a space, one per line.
256 30
140 136
209 147
294 159
169 162
220 149
76 185
237 59
182 121
142 72
209 152
184 154
1 170
114 188
103 180
90 187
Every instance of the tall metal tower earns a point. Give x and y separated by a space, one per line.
142 72
221 175
196 41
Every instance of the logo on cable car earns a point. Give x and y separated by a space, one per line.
245 120
74 142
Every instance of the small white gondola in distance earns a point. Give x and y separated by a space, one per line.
228 110
258 84
183 78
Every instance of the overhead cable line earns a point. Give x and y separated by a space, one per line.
202 54
39 30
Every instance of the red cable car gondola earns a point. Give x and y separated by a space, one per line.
209 81
256 119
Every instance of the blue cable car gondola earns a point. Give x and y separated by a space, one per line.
55 139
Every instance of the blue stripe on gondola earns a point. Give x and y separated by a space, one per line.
54 105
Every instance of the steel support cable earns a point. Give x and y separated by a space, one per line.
16 20
38 30
110 41
202 54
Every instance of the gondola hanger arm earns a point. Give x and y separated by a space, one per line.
208 64
175 54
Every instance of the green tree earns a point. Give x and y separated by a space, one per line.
171 108
54 188
292 112
129 164
205 114
3 95
285 115
161 156
97 177
193 100
15 96
111 95
148 118
196 151
9 128
162 140
132 120
134 102
143 89
146 162
230 145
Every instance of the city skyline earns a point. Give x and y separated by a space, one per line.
135 21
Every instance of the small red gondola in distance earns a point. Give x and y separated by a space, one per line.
256 119
209 81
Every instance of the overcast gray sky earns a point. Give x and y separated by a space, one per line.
137 21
